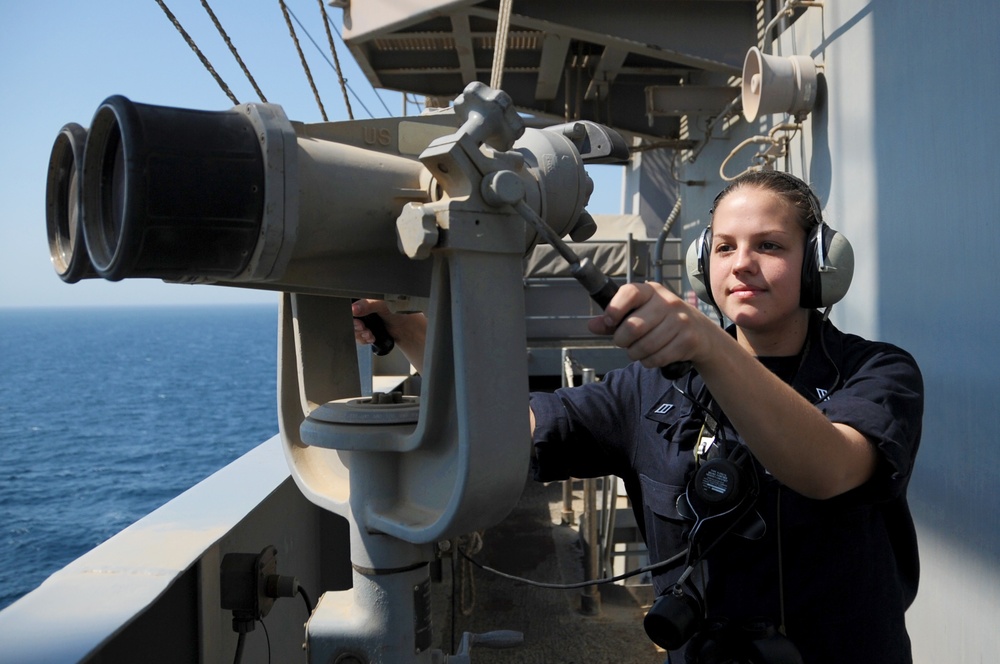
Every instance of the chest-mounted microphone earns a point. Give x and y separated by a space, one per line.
720 500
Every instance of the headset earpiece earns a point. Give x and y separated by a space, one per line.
696 262
827 268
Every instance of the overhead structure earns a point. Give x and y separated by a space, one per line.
634 65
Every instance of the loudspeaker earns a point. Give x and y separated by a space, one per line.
775 84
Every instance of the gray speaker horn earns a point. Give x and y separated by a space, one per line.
776 84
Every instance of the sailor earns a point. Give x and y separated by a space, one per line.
780 462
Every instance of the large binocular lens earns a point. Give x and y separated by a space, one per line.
171 193
63 214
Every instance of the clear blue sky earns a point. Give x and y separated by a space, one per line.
59 60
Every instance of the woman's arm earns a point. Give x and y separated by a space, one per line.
787 434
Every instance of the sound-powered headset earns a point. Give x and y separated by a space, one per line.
827 268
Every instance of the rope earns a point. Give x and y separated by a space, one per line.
345 88
356 97
500 43
336 60
201 56
232 48
302 58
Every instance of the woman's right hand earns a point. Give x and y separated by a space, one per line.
409 331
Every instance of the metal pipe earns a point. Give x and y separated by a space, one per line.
779 143
727 112
784 12
590 598
567 517
661 240
610 516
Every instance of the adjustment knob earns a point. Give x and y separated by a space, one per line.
488 116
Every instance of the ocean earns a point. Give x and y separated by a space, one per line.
108 413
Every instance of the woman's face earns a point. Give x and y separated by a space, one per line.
756 260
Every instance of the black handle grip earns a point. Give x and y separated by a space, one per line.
602 296
383 343
675 370
607 291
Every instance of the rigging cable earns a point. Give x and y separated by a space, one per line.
323 55
302 58
500 43
232 49
347 85
336 60
201 56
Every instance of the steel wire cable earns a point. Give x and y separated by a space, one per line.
302 58
336 60
232 49
201 56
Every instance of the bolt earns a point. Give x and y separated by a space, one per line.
502 188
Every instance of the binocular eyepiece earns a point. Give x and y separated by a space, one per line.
155 192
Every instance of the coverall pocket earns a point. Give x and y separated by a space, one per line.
665 527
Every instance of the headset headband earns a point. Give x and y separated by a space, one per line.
759 178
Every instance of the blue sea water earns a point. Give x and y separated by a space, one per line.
108 413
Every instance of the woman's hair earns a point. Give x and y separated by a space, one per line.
796 192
